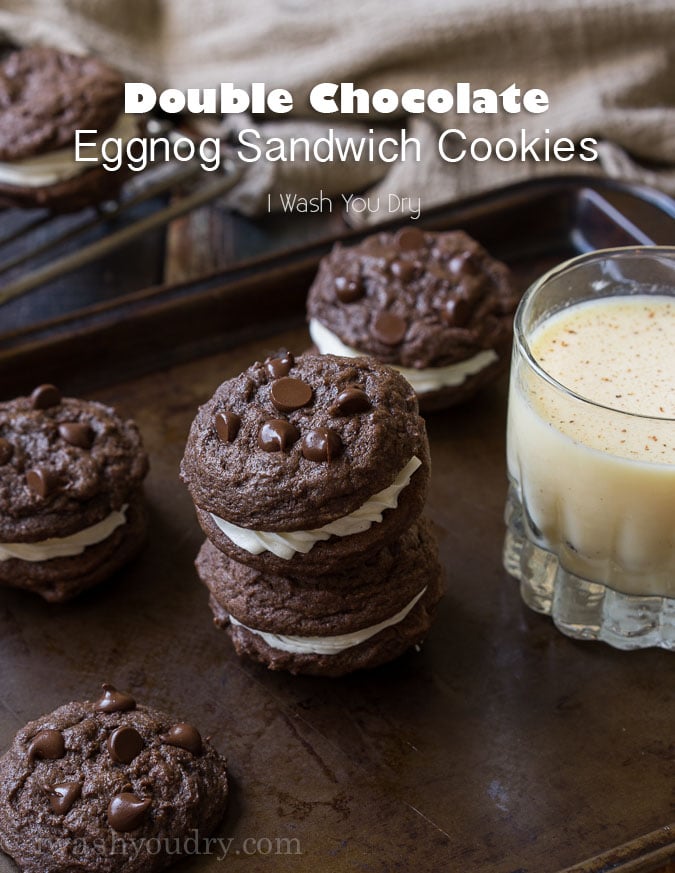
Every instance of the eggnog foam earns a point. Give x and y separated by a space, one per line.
618 352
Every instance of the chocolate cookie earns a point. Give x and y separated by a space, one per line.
361 596
108 785
93 186
434 305
336 624
45 96
302 466
70 493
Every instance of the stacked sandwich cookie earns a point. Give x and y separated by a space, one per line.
436 306
309 477
71 503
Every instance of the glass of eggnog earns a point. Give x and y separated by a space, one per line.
591 447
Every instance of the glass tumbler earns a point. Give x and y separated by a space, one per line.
590 513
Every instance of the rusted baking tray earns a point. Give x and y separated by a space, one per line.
501 747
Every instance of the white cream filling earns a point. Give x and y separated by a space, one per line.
423 381
286 544
60 164
65 547
328 645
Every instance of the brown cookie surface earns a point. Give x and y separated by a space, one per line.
68 463
388 644
77 786
415 298
364 595
46 95
296 446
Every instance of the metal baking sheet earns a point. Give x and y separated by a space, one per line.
501 747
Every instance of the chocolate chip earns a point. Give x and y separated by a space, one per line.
389 328
124 743
352 400
321 444
276 435
289 394
463 264
77 434
113 700
410 238
41 481
45 396
47 744
348 290
280 365
404 270
184 736
63 795
127 811
6 451
227 425
456 312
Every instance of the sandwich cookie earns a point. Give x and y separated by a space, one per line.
71 507
304 466
359 618
47 95
436 306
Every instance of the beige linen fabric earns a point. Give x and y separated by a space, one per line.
608 67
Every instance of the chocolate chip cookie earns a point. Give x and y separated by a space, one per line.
436 306
333 625
304 466
45 96
108 785
71 509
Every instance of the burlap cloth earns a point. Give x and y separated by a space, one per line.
608 67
